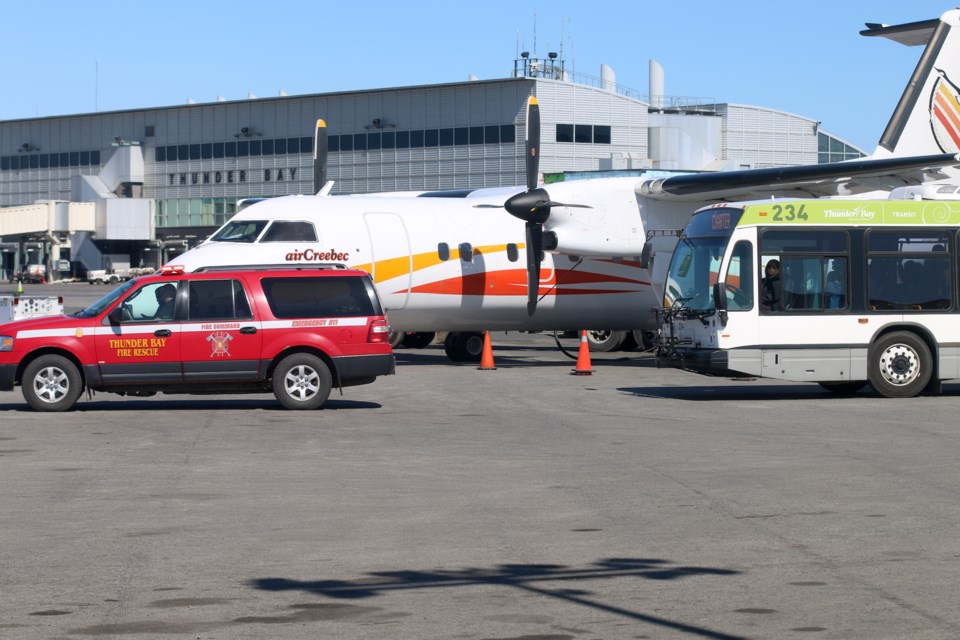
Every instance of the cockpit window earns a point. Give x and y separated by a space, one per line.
239 231
290 231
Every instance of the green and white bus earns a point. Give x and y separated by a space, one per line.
866 293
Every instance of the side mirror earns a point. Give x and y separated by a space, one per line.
646 256
720 296
720 301
116 315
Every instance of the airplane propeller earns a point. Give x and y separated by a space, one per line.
533 205
320 156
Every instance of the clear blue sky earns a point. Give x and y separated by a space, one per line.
806 58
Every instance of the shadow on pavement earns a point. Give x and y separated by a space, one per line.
175 403
524 577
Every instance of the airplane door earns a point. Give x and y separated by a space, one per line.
392 260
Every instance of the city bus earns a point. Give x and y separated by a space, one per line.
865 293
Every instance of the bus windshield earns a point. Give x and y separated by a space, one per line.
695 264
693 272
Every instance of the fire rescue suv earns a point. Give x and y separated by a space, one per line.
294 331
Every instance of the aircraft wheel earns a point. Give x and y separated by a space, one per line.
603 341
464 346
900 365
645 338
418 339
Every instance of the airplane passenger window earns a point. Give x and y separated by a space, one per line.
443 251
466 252
513 252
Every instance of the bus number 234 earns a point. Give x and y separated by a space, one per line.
789 212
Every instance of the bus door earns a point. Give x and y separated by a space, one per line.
741 287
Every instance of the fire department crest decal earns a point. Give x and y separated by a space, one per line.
219 341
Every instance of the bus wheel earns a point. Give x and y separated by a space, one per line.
900 365
844 388
51 383
604 341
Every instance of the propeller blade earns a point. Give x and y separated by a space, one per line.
533 143
534 252
320 156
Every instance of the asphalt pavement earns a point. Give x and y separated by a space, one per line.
519 503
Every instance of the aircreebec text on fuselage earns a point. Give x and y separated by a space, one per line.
310 255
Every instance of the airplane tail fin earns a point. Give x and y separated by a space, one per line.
927 118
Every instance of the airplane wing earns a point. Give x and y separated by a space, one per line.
817 180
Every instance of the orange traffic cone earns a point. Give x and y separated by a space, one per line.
583 358
486 358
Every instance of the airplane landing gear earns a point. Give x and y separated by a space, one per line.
464 346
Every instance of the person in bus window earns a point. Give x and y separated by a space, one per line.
770 289
834 289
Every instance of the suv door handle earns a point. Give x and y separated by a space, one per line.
163 333
248 329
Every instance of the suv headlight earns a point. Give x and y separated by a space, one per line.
6 343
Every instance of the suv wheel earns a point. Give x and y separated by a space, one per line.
51 383
301 381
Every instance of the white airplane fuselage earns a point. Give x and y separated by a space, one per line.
400 240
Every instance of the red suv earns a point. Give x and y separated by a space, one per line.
294 331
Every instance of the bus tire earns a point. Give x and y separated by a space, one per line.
844 388
51 383
900 365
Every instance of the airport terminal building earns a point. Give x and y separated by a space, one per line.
132 188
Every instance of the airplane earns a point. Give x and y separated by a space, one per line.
451 261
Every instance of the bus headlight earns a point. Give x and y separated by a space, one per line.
6 343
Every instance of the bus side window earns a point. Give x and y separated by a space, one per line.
739 278
835 288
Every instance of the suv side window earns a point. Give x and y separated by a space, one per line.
218 300
154 302
317 297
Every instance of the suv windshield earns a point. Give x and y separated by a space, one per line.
100 305
239 231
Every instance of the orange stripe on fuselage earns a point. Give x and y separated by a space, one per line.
395 267
513 282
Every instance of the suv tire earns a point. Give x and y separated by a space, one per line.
51 383
301 382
